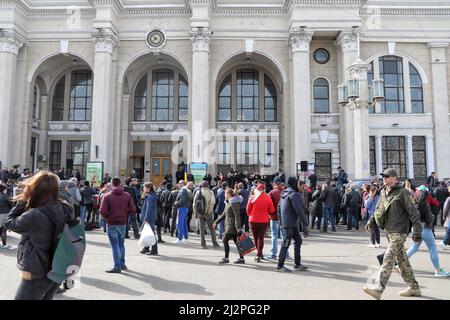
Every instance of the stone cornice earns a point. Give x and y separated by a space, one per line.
405 11
299 40
200 39
219 10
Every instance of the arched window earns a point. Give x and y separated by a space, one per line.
391 71
183 99
225 100
247 95
270 100
416 90
36 102
162 95
80 96
321 96
58 100
140 100
166 103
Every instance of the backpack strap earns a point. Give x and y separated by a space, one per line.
50 214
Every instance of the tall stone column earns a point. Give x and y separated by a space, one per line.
430 154
379 154
102 106
409 150
200 93
348 41
299 41
440 108
9 49
360 125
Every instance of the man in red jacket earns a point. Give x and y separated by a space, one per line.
116 206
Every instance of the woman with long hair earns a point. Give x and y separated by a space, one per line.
231 216
35 250
259 208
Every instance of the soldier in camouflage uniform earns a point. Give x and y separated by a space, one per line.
394 211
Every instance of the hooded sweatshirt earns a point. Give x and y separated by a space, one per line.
116 206
291 209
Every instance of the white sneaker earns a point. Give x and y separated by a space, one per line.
371 246
442 273
177 241
377 245
185 241
442 245
6 247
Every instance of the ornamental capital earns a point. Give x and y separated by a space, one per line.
10 42
299 39
348 40
200 38
105 41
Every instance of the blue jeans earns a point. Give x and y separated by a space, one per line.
274 226
83 212
221 228
116 235
447 236
182 223
328 210
428 238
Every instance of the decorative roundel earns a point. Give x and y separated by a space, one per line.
321 56
156 38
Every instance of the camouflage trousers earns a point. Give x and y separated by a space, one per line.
396 252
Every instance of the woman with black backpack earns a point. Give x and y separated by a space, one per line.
36 246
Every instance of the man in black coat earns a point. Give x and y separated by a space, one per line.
291 208
432 181
442 194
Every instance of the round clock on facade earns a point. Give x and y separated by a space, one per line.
156 38
321 56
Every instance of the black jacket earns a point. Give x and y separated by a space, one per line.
426 217
441 194
35 250
6 203
291 208
316 205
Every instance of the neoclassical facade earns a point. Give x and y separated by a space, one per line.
144 85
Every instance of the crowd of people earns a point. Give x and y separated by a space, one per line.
240 203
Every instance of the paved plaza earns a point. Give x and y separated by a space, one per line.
340 265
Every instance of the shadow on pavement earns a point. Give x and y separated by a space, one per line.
161 284
110 286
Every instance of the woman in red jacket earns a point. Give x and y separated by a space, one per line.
259 207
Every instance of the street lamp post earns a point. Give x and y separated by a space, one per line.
359 96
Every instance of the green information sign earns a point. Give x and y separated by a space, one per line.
198 170
94 173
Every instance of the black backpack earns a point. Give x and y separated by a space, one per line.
200 203
324 194
165 199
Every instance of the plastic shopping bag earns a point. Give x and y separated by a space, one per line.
147 238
